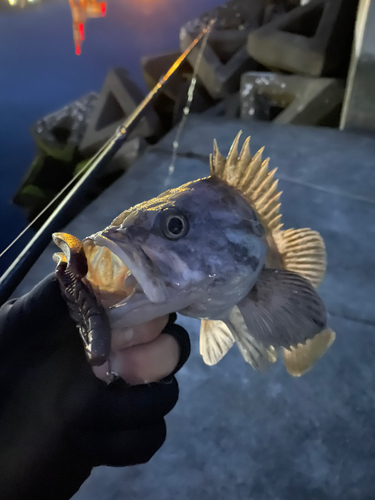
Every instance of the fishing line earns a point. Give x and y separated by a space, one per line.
188 104
60 193
175 142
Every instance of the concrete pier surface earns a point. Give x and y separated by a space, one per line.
235 433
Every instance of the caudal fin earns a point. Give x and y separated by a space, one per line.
299 360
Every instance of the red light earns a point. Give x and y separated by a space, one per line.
78 50
103 8
81 30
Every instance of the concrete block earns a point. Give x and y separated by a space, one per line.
230 107
59 134
312 39
235 16
276 8
291 99
131 151
202 101
48 176
118 98
45 177
154 67
164 108
359 104
225 57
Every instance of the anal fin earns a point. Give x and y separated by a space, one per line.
299 360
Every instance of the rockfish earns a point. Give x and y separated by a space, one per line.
215 249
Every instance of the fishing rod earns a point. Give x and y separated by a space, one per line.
29 255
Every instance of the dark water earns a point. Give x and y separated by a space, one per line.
39 72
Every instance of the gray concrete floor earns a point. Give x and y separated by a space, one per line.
235 433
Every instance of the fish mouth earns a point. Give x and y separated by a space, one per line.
120 270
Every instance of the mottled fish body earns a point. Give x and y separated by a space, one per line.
214 249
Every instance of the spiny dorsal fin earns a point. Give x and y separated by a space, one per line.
217 162
232 160
215 341
252 177
303 252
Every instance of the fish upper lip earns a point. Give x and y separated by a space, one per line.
154 290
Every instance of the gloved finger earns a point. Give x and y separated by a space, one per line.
119 406
181 336
119 448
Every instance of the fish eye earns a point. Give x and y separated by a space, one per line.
173 224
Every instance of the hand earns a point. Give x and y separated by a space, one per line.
57 419
143 354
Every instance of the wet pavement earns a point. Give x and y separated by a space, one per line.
235 433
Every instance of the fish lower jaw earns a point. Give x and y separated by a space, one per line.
130 311
136 309
133 276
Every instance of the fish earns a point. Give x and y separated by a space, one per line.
215 249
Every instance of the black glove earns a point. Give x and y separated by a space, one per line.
57 420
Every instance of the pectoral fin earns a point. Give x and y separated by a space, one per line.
299 360
254 352
283 309
215 341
